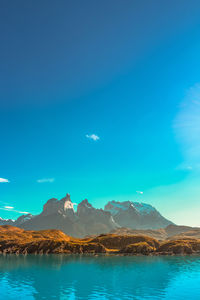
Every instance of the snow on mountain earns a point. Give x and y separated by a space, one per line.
17 222
144 208
115 206
136 215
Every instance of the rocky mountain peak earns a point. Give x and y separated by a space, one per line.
85 203
23 219
114 207
84 207
66 198
136 215
62 206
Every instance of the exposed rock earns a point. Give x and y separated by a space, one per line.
136 215
138 248
87 220
60 214
94 221
63 206
23 219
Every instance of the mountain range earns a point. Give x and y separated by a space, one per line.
87 220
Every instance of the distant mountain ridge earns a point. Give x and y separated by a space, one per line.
87 220
170 232
136 215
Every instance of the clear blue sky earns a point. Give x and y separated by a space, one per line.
126 72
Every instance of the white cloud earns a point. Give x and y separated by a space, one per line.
139 192
93 137
11 208
3 180
43 180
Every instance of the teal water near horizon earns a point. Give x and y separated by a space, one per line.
99 277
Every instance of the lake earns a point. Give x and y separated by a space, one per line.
99 277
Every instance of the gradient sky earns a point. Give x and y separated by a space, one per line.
100 99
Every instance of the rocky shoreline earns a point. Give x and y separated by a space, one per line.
14 240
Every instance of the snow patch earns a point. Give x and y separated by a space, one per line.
142 208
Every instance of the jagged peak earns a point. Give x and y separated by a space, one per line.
116 206
85 203
139 207
54 205
66 198
144 208
25 216
51 200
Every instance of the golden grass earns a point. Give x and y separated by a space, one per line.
16 240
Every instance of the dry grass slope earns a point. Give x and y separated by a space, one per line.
19 241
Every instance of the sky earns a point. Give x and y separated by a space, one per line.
100 99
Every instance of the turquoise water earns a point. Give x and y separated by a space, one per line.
101 277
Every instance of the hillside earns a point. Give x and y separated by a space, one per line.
170 232
19 241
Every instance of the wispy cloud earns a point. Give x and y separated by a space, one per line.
43 180
3 180
12 209
139 192
93 137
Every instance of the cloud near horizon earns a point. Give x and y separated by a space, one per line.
93 137
43 180
4 180
11 208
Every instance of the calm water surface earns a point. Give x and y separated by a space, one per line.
89 277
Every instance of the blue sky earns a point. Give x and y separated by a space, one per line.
100 100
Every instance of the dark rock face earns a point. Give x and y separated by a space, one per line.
136 215
63 207
94 221
60 214
56 214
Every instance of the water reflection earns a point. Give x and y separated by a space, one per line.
102 277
